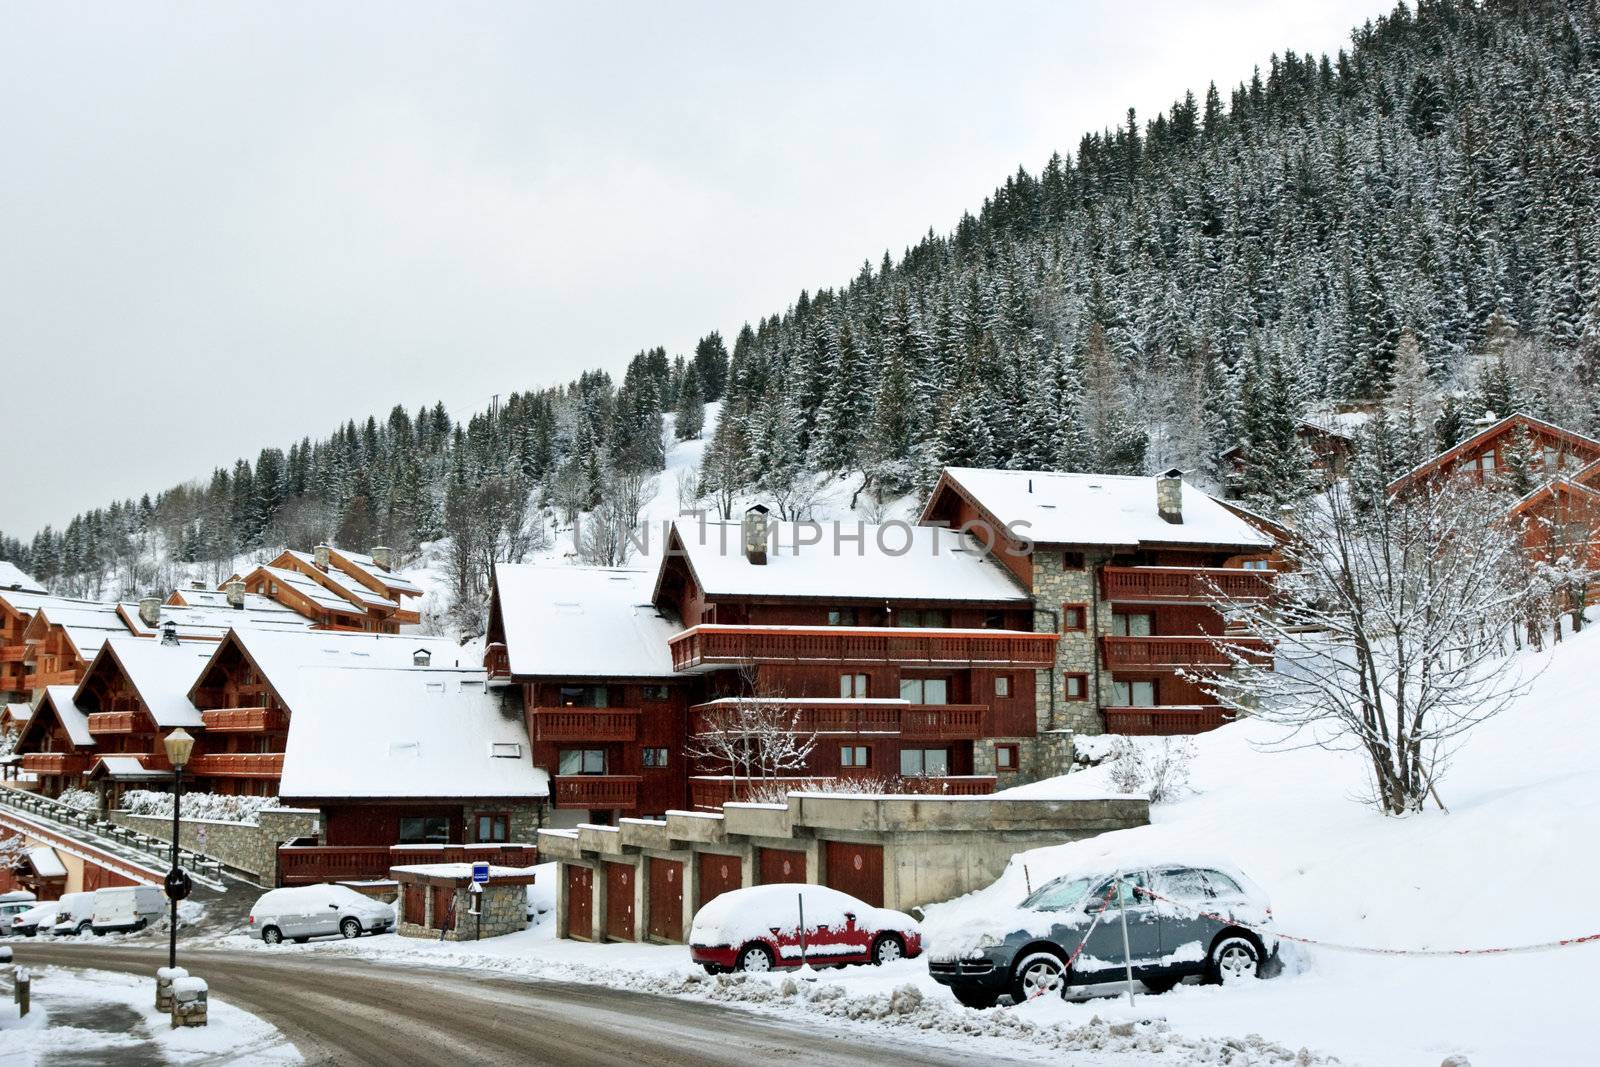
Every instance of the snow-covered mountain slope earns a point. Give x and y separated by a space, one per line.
1512 862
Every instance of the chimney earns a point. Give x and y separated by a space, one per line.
381 556
320 554
236 595
150 610
755 535
198 587
169 634
1169 496
1487 419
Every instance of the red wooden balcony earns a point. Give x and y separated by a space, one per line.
1165 653
711 645
114 722
497 661
237 764
931 722
310 864
40 680
585 724
1175 719
13 653
244 720
1180 585
599 791
708 792
55 762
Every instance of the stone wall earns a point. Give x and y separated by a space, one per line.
1077 653
505 911
247 849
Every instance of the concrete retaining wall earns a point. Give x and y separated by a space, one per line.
246 849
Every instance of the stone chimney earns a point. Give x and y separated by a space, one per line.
1169 496
320 554
198 587
236 595
169 634
150 610
382 556
755 534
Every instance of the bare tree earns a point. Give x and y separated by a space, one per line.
1389 632
606 539
755 738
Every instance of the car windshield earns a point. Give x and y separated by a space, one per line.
1058 895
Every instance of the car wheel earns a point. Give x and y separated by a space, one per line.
712 968
976 998
1234 958
82 927
756 959
1038 974
350 928
272 935
887 949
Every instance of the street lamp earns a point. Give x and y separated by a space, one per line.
179 744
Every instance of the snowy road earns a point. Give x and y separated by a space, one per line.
340 1011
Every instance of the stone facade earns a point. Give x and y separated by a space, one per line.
504 908
246 849
1055 584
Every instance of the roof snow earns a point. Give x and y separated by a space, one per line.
125 768
162 675
582 622
88 626
309 588
45 862
346 584
210 622
1049 507
12 577
29 603
218 598
281 656
395 583
405 733
73 721
847 560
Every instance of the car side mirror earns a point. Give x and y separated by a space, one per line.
850 917
335 907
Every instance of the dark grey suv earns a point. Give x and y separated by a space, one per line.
1025 952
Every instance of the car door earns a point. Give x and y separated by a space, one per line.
1103 958
1186 932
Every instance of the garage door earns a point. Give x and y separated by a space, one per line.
666 899
718 874
781 865
857 870
619 901
580 902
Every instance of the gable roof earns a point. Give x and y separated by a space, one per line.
210 623
341 583
87 626
581 622
1571 437
308 587
13 577
280 656
360 564
160 674
1552 488
24 602
72 720
1050 507
18 713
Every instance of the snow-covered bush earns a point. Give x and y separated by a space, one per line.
8 740
1158 767
777 792
82 799
197 805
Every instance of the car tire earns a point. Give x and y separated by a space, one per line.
887 948
82 927
350 927
712 968
1234 958
1037 974
271 935
976 998
757 959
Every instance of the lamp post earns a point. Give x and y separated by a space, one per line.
179 744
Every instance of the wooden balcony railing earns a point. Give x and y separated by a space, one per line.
55 762
585 724
711 645
1178 585
708 792
244 720
1187 719
40 680
497 661
238 764
13 653
932 722
598 791
1161 653
113 722
310 864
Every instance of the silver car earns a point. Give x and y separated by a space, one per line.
302 912
1181 921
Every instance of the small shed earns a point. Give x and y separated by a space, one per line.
436 900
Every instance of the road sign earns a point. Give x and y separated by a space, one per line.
480 873
177 884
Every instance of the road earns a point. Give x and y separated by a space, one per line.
352 1012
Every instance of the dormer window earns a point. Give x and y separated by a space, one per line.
421 658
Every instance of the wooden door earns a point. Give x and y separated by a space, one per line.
580 902
781 865
718 874
857 870
413 903
444 899
666 899
619 901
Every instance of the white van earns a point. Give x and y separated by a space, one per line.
118 909
305 911
12 896
74 913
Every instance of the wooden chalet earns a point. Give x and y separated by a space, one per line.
1329 441
17 609
1485 455
62 639
337 589
56 745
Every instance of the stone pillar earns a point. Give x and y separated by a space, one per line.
189 1002
165 976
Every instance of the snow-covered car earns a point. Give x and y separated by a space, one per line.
30 922
1181 920
12 908
123 908
74 914
758 929
306 911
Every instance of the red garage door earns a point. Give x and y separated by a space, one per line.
619 901
666 899
857 870
580 902
781 865
718 874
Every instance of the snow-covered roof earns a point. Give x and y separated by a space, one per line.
25 602
45 863
395 583
309 588
582 622
13 577
209 622
19 712
125 768
405 733
161 674
87 626
351 588
73 721
847 560
281 656
1050 507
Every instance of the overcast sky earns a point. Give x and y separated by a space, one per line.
224 226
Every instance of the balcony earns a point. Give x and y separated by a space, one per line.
48 678
237 764
497 661
310 864
244 720
710 792
114 722
585 724
923 722
1166 653
709 646
601 792
55 762
1174 719
13 653
1182 585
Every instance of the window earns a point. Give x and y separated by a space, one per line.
656 693
1140 624
1005 757
1486 462
915 762
1257 565
1552 459
1134 694
1072 561
842 617
1075 686
1074 617
1058 895
493 827
925 690
655 758
1183 883
922 617
583 696
852 685
1223 885
426 830
1131 883
994 620
855 756
1002 685
582 761
505 749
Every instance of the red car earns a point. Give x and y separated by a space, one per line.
758 929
